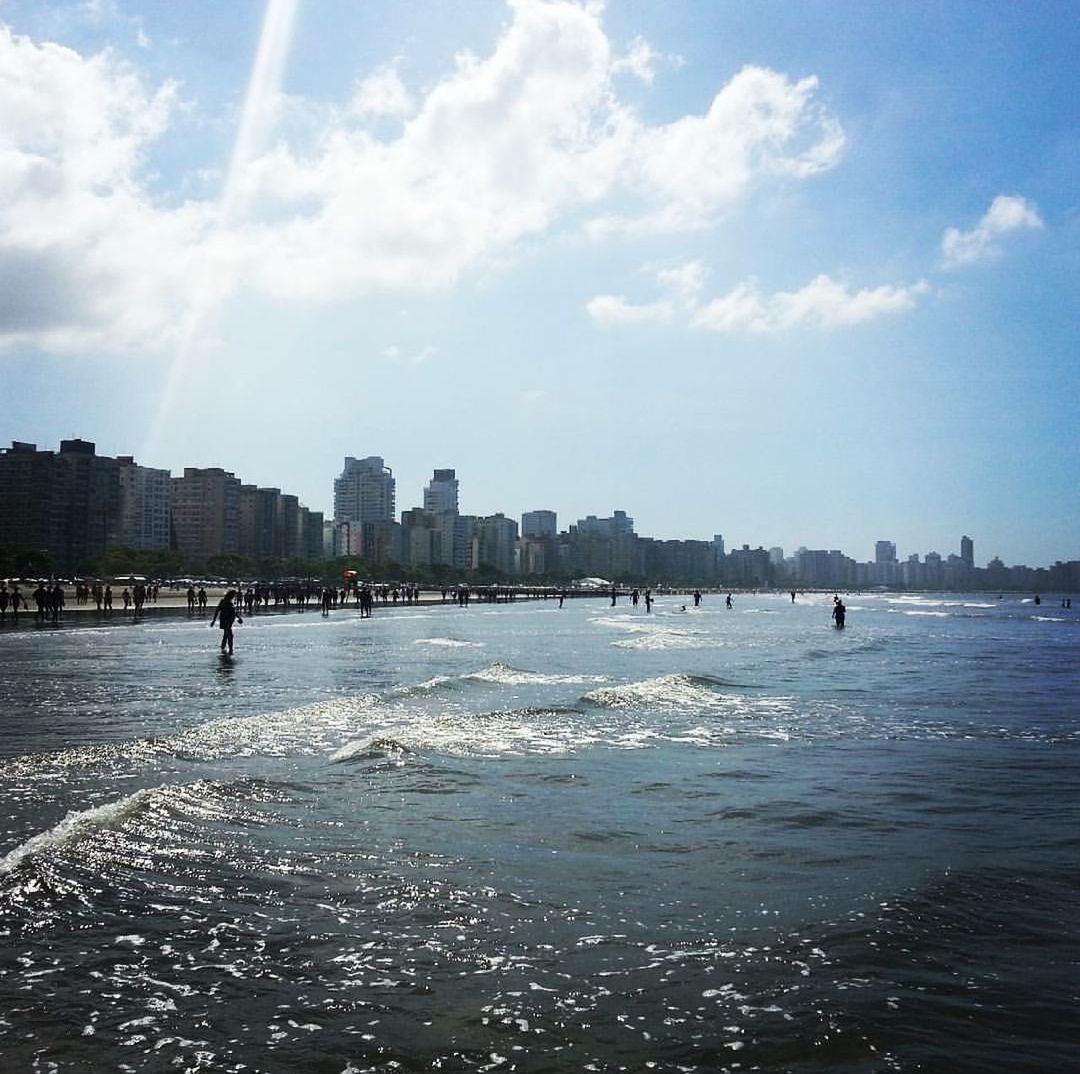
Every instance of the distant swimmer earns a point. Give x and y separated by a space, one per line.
728 601
839 613
697 597
793 596
226 613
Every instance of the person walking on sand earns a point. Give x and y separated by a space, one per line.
226 612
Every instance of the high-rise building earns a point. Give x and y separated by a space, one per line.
87 505
884 552
496 542
206 512
27 477
441 494
538 549
967 551
364 496
364 492
619 525
145 517
539 524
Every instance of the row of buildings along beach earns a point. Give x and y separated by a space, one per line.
61 511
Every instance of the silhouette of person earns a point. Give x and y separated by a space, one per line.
727 601
226 613
839 613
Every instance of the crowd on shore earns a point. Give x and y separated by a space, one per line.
47 602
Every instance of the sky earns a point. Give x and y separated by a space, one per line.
798 274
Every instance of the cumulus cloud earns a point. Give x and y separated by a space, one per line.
822 304
89 255
641 60
502 149
760 125
382 94
1007 213
686 280
615 310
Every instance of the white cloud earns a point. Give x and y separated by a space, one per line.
760 125
503 149
641 61
396 354
614 310
382 94
823 303
686 280
84 254
1007 213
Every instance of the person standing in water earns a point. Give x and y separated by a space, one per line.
839 613
227 614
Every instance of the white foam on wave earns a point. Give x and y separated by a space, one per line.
514 732
657 640
309 729
508 676
622 622
664 691
76 824
449 643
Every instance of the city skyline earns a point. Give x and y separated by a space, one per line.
801 274
366 490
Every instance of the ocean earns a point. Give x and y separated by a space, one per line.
522 838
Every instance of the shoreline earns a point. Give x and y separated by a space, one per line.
173 604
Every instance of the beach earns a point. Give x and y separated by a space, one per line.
519 837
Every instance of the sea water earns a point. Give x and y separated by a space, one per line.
525 838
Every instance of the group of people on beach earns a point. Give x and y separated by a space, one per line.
15 599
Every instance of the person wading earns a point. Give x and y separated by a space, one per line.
226 614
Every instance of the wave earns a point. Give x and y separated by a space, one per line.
496 733
676 691
506 675
661 639
449 643
74 826
383 748
307 730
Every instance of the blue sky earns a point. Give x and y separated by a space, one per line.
801 274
